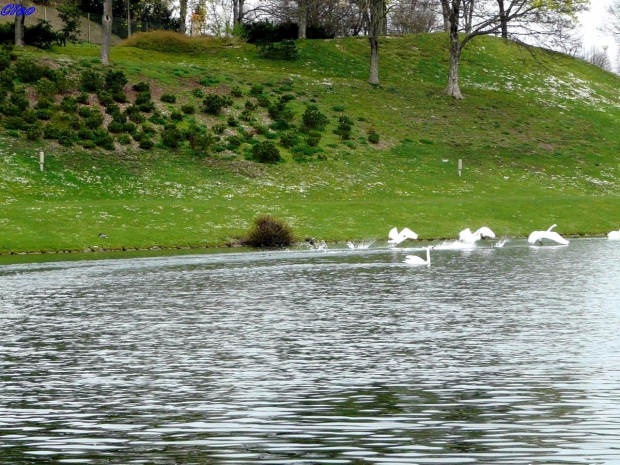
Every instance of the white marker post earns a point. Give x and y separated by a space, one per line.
41 160
460 167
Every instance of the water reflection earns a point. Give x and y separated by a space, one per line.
503 356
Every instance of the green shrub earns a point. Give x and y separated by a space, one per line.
214 103
209 81
158 118
44 104
148 129
236 92
188 109
176 116
115 81
45 88
171 137
124 139
313 139
345 125
29 116
85 112
279 125
313 119
266 152
143 97
86 134
246 115
116 127
250 106
82 98
105 98
146 143
89 144
288 140
27 70
147 107
44 114
120 97
232 122
119 117
285 50
256 89
202 142
198 93
13 122
34 132
136 117
91 81
69 105
5 60
94 121
168 98
278 110
131 128
218 128
263 101
268 231
338 108
373 138
6 79
141 87
12 133
103 139
233 142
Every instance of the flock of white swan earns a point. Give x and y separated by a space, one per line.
469 238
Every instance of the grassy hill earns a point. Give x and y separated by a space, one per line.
537 134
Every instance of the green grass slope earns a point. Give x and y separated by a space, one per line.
537 134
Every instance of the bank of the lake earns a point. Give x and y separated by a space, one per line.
536 135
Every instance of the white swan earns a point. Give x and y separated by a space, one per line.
471 238
538 236
415 260
614 235
395 237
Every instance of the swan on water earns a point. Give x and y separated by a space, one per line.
395 237
614 235
538 236
471 238
415 260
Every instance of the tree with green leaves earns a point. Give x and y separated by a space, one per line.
70 15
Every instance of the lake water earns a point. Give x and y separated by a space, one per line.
494 355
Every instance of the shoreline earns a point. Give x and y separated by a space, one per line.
127 252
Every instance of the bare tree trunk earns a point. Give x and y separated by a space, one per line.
183 16
453 89
446 17
375 21
503 19
20 27
128 18
384 22
235 12
303 18
468 14
106 32
240 12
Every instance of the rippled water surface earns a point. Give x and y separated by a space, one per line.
494 355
